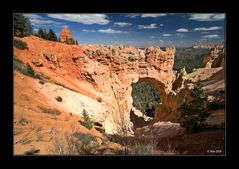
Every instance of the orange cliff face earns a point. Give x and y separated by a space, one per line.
215 58
65 35
104 73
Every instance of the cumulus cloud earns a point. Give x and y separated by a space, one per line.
182 30
112 31
151 26
122 24
208 29
37 20
32 16
86 30
167 34
152 15
132 15
210 36
207 17
87 19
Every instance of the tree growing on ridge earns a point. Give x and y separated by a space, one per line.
22 25
52 35
42 33
193 114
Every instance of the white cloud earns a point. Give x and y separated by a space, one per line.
161 41
152 15
122 24
204 32
210 36
112 31
132 15
182 30
161 24
151 26
152 37
32 16
166 34
86 30
181 35
41 22
38 20
208 29
88 19
207 17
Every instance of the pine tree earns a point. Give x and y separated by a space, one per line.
52 35
42 33
28 27
88 123
71 41
193 114
22 26
76 42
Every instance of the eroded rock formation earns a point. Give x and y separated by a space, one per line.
215 58
179 82
107 72
66 36
114 68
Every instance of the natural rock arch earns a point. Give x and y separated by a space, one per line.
113 69
107 72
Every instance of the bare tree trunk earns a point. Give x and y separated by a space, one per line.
123 124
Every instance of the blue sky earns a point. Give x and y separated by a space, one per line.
141 30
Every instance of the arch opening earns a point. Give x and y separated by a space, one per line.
146 97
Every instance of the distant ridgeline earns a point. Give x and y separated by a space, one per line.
209 46
190 58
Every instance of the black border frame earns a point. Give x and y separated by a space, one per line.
113 6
